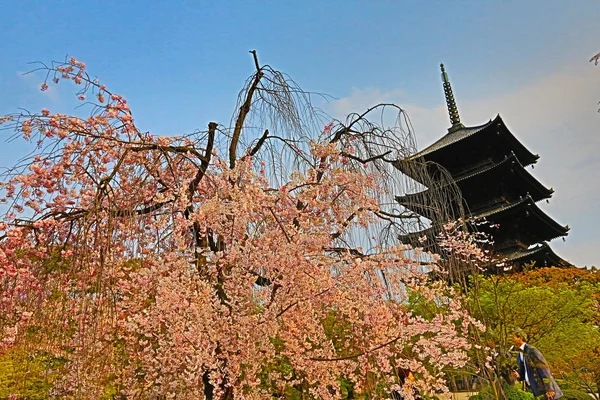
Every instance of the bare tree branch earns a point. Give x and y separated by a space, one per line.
244 110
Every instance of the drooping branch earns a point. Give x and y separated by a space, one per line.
172 149
140 211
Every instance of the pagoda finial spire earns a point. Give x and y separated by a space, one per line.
451 103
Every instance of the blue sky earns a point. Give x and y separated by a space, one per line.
181 65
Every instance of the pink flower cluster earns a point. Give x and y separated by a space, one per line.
153 271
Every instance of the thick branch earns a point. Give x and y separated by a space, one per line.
280 225
344 224
353 252
382 214
260 142
364 161
256 63
212 127
142 211
244 110
199 240
172 149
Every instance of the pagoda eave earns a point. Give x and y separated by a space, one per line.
539 224
541 254
487 176
468 136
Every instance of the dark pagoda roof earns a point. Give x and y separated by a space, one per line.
542 254
538 224
424 238
461 135
511 163
522 182
451 138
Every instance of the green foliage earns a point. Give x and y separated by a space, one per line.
27 375
563 384
512 393
339 331
55 263
430 308
557 308
515 393
346 388
539 310
574 394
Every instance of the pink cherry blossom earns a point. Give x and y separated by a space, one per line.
153 266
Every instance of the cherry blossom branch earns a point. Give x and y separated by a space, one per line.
290 306
362 353
280 225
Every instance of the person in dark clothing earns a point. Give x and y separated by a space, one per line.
533 369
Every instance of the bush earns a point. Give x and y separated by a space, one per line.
563 384
515 393
512 393
574 394
27 374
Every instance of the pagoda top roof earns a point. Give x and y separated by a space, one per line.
452 137
462 133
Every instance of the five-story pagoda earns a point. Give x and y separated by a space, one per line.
487 163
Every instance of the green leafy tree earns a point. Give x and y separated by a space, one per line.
557 308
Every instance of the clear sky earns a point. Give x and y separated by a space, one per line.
181 64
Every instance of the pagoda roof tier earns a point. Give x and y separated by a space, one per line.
418 203
460 149
522 219
484 184
542 254
495 127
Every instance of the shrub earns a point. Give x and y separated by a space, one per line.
515 393
563 384
574 394
512 393
28 375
